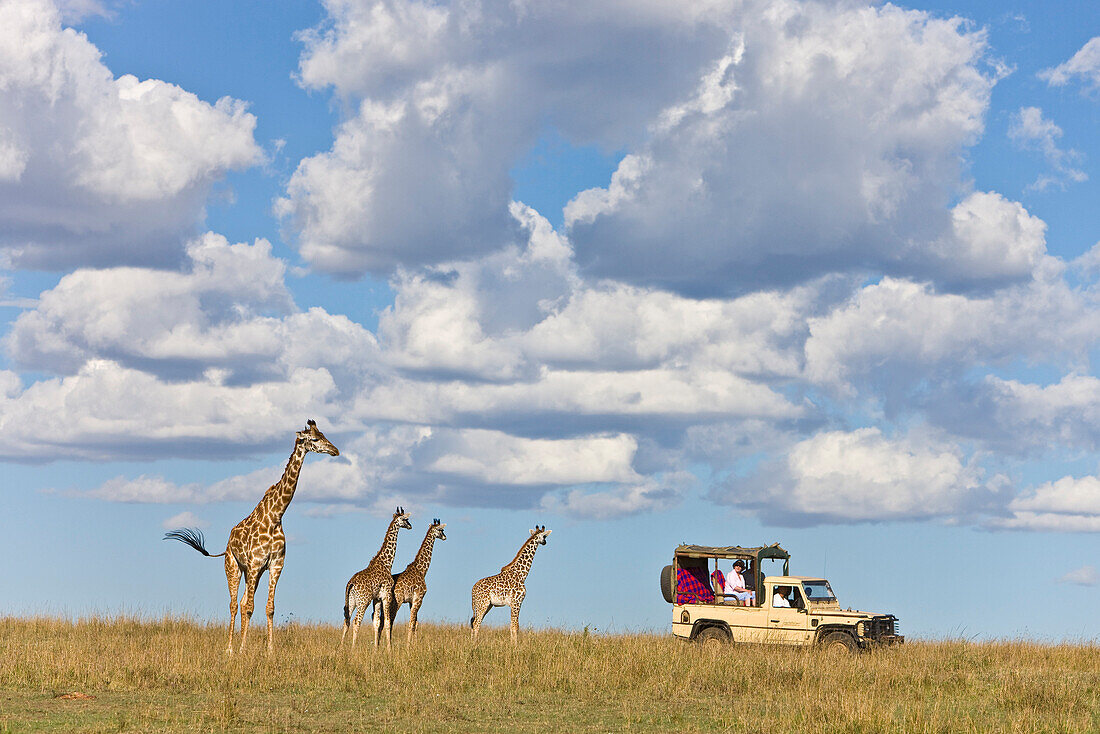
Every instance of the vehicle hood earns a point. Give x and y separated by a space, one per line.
834 611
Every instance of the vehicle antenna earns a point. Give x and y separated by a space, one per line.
824 563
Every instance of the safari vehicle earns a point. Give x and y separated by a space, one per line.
701 612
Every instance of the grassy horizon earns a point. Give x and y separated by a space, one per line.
172 675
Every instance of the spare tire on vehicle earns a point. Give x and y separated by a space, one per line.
666 583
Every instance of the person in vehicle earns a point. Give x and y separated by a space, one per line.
780 598
736 587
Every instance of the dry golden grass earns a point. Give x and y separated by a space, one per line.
172 675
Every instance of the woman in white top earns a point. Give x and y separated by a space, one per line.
780 598
735 584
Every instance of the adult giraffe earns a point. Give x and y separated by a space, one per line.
507 588
257 543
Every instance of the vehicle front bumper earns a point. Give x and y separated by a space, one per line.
879 631
884 641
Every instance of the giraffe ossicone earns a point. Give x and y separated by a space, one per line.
373 586
257 543
507 588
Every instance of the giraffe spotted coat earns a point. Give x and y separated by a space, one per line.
507 588
373 586
257 543
411 586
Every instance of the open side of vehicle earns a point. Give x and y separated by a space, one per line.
780 610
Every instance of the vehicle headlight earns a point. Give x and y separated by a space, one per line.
861 627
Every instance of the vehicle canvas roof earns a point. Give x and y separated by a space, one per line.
732 551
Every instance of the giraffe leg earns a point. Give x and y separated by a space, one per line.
395 607
348 609
358 620
414 607
273 572
386 619
251 581
376 620
233 577
481 608
516 603
351 606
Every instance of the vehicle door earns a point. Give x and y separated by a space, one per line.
750 624
747 624
790 626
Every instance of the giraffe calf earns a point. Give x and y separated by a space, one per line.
411 586
373 586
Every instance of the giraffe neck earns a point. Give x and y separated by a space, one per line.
521 564
389 545
424 555
280 494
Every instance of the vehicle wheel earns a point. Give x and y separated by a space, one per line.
712 637
666 583
839 643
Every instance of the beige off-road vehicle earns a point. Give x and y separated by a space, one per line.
702 612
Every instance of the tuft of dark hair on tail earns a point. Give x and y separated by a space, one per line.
471 622
347 615
192 537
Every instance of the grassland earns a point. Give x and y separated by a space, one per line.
172 675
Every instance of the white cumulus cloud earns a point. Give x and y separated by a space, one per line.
827 138
496 458
862 475
1084 64
788 245
1025 417
1030 129
96 169
1083 576
106 411
1068 505
652 495
228 318
185 519
447 97
897 328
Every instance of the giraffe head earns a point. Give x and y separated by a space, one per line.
437 529
401 518
314 440
539 534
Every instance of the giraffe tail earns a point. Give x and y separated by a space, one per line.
192 537
347 608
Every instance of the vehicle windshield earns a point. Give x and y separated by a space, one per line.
818 590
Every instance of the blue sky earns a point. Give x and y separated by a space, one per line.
820 273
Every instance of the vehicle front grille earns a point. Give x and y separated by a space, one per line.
881 627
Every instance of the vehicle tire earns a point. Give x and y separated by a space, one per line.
666 583
712 637
839 643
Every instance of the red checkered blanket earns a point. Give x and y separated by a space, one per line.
691 586
718 579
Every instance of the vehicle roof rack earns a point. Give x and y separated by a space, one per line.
732 551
